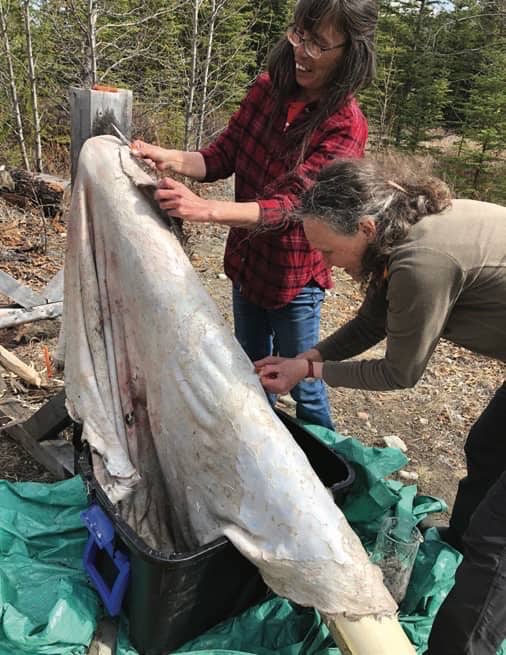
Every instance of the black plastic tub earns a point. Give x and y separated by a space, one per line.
172 598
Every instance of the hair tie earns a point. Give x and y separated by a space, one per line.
396 186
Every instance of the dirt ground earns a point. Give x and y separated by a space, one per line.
432 419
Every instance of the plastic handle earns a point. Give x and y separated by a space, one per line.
102 535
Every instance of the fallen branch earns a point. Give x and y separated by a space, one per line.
14 364
10 317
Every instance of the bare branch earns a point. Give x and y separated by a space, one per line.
122 60
136 23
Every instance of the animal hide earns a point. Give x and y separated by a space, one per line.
183 437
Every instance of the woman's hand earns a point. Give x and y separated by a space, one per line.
179 201
154 156
280 374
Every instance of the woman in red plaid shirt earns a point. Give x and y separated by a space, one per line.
296 118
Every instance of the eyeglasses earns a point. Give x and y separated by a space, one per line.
311 48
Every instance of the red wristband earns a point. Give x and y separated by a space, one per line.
310 369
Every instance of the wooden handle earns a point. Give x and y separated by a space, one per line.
370 635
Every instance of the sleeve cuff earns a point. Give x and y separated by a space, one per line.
273 212
213 167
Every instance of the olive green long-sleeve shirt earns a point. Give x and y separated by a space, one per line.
446 279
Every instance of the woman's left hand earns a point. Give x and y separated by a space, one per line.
179 201
280 374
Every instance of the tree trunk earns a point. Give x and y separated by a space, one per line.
33 87
193 76
206 73
13 89
92 44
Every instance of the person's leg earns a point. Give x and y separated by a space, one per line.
297 329
472 619
252 330
474 613
486 460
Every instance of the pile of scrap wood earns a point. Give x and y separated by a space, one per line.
30 305
27 189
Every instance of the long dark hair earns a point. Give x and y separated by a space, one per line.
357 20
396 191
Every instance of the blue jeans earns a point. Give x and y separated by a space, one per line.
286 332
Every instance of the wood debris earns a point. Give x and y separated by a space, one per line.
14 364
36 190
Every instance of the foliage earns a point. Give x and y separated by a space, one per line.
440 85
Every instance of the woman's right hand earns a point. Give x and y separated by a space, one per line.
155 156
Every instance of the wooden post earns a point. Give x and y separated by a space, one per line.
92 113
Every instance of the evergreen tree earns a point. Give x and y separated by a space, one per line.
485 129
439 85
406 101
272 18
458 43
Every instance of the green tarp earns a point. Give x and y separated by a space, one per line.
47 605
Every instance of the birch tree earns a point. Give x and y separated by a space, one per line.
91 38
228 48
207 64
221 50
192 85
14 96
33 87
189 63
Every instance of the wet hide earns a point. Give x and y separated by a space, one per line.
183 437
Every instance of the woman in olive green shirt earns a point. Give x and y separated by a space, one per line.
434 267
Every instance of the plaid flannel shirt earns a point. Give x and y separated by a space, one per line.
273 262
